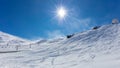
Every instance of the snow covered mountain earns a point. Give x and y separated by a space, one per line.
10 39
10 42
95 48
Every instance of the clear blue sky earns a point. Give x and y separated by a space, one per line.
36 18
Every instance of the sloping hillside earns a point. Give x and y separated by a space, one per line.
95 48
9 42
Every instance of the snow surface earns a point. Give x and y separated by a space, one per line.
98 48
10 43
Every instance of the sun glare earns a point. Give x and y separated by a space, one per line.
61 12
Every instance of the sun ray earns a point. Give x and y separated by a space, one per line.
61 12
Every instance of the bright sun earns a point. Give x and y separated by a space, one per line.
61 12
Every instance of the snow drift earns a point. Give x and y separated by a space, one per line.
99 48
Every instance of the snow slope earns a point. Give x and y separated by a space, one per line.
10 42
98 48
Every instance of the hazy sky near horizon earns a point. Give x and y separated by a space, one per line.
33 19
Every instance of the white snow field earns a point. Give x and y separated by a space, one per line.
98 48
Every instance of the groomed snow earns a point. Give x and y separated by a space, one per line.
98 48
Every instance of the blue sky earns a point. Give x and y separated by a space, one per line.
33 19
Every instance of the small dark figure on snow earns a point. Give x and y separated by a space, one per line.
69 36
96 27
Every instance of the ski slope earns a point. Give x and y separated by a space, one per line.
98 48
10 43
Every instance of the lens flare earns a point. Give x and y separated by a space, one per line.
61 12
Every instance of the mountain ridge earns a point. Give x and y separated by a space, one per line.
95 48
